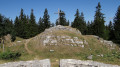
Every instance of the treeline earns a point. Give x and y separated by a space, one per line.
25 26
97 26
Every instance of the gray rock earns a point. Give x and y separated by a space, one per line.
34 63
90 57
80 63
52 50
85 42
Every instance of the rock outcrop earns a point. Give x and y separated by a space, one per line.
80 63
34 63
59 35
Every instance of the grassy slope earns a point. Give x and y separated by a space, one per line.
66 52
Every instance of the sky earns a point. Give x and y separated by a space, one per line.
12 8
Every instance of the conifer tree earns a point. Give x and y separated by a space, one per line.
99 27
67 23
83 26
41 25
17 26
33 26
62 19
111 31
79 22
20 32
1 26
46 19
76 23
117 25
88 28
8 26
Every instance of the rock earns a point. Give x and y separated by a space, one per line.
48 37
51 50
53 41
85 42
110 43
79 42
90 57
80 63
34 63
7 38
101 55
18 41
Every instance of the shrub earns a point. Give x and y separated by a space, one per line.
10 55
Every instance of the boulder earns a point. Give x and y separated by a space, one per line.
34 63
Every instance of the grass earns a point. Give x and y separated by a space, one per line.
39 51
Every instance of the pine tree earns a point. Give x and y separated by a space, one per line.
41 25
8 26
67 23
62 19
83 26
17 26
25 26
1 26
117 25
46 19
99 27
12 32
111 31
33 26
88 28
20 32
75 24
79 22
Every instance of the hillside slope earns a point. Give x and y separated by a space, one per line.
64 42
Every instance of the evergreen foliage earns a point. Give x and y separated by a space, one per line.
26 27
111 31
6 27
1 26
46 19
79 22
41 26
33 28
8 55
117 25
62 19
99 27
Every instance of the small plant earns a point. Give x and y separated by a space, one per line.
8 55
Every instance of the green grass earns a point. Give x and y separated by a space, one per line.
94 47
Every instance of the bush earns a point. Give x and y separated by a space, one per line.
10 55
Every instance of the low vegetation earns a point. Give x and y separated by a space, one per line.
8 55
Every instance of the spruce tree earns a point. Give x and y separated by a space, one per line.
117 25
25 26
99 27
17 26
41 25
8 26
1 26
20 32
88 28
33 26
111 31
79 22
83 26
76 23
67 23
46 19
62 19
